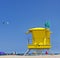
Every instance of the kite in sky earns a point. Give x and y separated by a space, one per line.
5 22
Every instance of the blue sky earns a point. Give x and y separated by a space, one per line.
25 14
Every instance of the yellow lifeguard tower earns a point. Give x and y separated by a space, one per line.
40 38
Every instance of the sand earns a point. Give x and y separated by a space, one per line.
41 56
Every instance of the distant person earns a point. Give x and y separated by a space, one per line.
46 52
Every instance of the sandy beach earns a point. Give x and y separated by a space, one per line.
41 56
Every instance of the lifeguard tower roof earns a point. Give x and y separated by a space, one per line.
38 28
